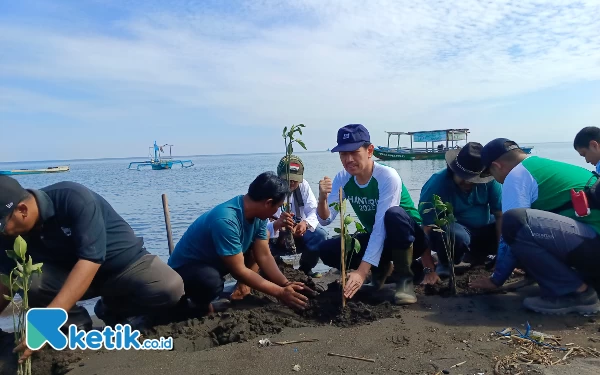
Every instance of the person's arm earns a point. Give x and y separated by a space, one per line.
266 262
389 196
310 208
495 202
498 217
518 191
88 233
328 193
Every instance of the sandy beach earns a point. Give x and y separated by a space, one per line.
429 337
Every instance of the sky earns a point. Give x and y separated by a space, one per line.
106 78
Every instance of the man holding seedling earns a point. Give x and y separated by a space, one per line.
87 251
386 211
477 207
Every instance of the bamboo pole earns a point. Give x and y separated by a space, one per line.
342 233
165 203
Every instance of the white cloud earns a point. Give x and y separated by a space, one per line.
325 63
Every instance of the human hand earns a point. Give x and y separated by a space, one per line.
325 187
305 289
22 347
285 220
431 278
300 228
290 295
484 283
353 284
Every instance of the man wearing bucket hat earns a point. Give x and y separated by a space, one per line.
303 205
548 229
477 204
385 209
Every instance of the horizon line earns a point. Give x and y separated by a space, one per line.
200 155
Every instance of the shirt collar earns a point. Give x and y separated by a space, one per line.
45 205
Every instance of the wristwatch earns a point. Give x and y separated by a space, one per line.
427 270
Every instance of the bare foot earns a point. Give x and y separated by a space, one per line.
240 292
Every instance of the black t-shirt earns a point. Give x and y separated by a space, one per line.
76 223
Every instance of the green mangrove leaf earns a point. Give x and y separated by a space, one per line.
428 210
8 298
37 267
337 230
5 280
20 247
12 255
348 219
356 246
438 230
301 143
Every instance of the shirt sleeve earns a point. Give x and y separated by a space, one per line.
519 189
88 229
310 206
431 187
495 196
505 264
226 237
261 234
389 196
333 197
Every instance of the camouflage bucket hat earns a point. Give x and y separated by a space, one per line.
296 168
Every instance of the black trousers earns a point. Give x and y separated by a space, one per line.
401 231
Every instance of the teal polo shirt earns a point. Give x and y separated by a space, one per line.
222 231
473 210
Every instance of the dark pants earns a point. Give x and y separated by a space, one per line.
203 283
474 241
148 285
557 251
401 231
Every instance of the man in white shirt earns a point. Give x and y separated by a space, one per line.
303 205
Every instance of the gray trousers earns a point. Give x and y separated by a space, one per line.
557 251
146 286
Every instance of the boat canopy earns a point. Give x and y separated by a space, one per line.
445 135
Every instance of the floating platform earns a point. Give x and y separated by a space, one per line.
158 162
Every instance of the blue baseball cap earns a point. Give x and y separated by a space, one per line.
495 149
351 137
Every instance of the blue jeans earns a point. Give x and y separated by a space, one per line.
557 251
467 240
312 241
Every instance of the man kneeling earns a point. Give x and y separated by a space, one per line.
87 251
231 239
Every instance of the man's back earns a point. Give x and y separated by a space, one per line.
546 184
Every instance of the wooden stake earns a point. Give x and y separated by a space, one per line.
351 357
341 213
165 203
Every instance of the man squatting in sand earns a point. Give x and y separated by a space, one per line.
87 251
385 209
541 230
232 239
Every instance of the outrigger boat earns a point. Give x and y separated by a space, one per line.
446 140
62 168
158 162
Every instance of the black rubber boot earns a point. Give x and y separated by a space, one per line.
405 290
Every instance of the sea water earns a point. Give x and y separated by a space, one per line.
136 195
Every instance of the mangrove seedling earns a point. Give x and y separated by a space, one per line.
19 279
289 137
444 220
349 243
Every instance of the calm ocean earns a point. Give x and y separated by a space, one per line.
136 195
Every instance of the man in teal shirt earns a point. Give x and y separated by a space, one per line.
477 204
230 239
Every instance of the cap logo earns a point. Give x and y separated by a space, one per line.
347 136
294 168
9 205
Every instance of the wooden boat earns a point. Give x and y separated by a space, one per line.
62 168
446 139
158 162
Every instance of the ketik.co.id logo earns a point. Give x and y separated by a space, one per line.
43 326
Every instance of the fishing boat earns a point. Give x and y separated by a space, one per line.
62 168
437 142
159 162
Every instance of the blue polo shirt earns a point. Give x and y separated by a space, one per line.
222 231
472 210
